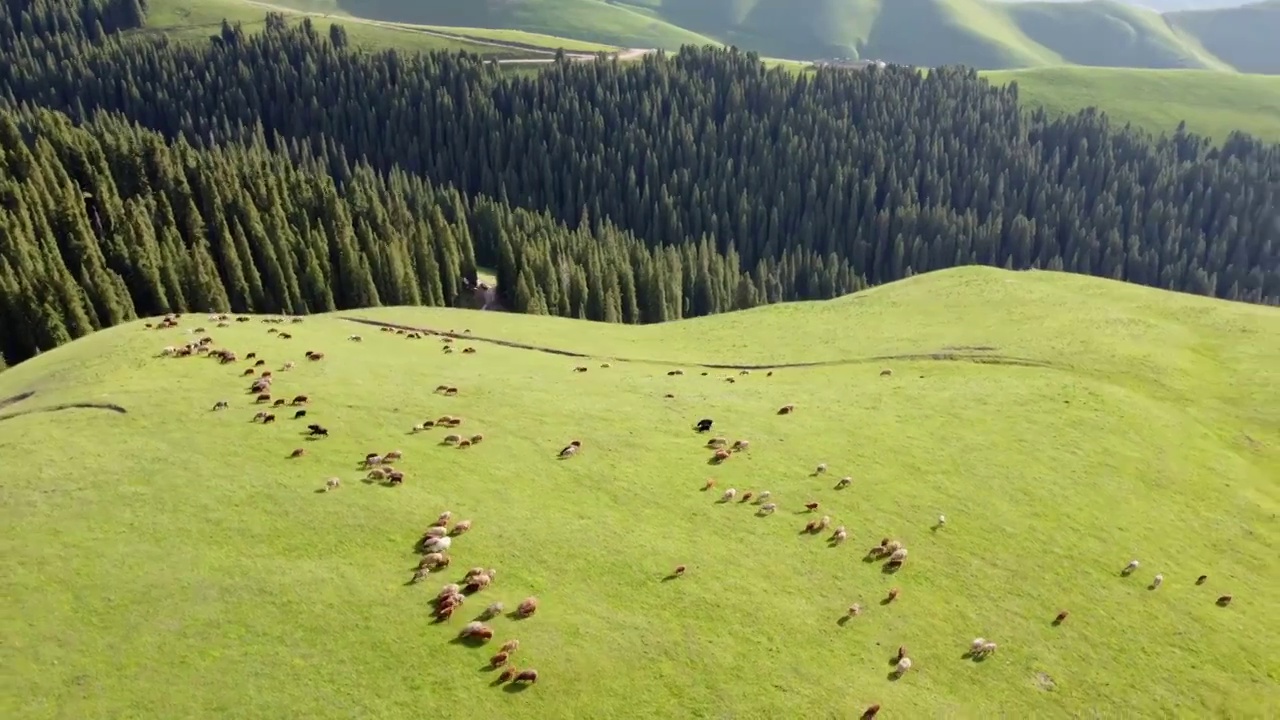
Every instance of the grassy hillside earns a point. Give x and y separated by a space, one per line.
169 561
988 34
1213 104
1245 37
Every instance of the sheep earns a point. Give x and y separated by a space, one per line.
437 544
298 453
720 456
221 405
891 546
314 356
741 445
472 351
840 535
710 483
417 428
811 506
893 595
854 610
461 527
870 712
942 520
435 531
886 372
903 666
372 459
263 397
526 676
844 482
260 363
679 571
477 439
493 611
605 365
728 495
299 400
571 449
444 517
377 474
393 455
1200 580
898 556
279 402
447 590
902 652
824 522
259 416
499 659
527 607
1157 581
768 508
289 365
452 439
675 372
716 443
476 630
464 443
1224 600
507 673
332 483
248 371
786 409
395 478
450 391
1061 617
478 583
703 425
299 414
746 496
976 645
580 369
270 418
433 560
355 338
441 388
986 649
319 432
1128 569
763 496
822 467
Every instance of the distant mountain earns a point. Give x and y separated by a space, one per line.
987 34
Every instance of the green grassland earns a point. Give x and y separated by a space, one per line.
171 562
987 34
1210 103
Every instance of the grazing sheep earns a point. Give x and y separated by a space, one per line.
605 365
372 459
822 467
710 483
886 372
279 402
437 544
468 351
703 425
986 649
942 520
786 409
580 369
270 418
720 456
393 455
899 556
332 483
891 547
976 645
902 652
893 595
435 531
264 397
728 495
768 508
355 338
444 517
679 571
527 607
854 610
740 445
299 414
299 400
461 527
452 439
477 439
811 506
298 453
571 449
764 496
1200 580
464 443
870 713
526 676
478 583
447 590
1157 581
507 673
509 646
441 388
476 630
259 416
844 482
1061 617
450 391
903 666
675 372
248 371
221 405
717 442
395 478
730 380
746 496
499 659
1224 600
310 356
289 365
824 522
493 611
876 552
319 432
378 474
260 363
840 535
1128 569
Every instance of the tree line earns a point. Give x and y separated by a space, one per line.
633 192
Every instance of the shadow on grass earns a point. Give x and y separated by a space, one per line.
890 568
516 687
844 620
670 577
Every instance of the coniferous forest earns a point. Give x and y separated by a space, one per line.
286 171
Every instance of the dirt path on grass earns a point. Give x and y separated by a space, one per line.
979 354
6 402
628 54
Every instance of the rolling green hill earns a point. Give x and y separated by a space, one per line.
1210 103
162 559
982 33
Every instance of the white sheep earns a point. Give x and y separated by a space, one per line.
355 338
1133 565
393 455
289 365
332 484
942 520
855 610
898 555
439 544
763 497
822 467
903 665
840 535
768 508
1155 583
729 494
373 460
844 482
445 516
976 645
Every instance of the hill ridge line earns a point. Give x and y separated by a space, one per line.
955 355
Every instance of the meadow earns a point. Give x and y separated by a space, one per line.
172 561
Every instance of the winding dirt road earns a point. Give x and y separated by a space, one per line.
548 56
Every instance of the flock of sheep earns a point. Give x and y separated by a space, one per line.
437 540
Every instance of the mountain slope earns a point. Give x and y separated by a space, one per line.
184 566
987 34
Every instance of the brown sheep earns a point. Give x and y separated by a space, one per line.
526 676
571 449
902 652
870 712
464 443
510 646
298 453
527 607
299 400
279 402
248 371
433 560
260 363
499 660
679 571
461 527
468 351
477 439
507 673
740 445
886 372
811 506
312 356
721 455
786 409
893 595
580 369
717 442
1062 616
435 531
395 477
710 483
454 422
1224 601
270 418
441 388
1200 580
477 631
450 392
264 397
478 583
393 455
746 496
452 439
445 612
